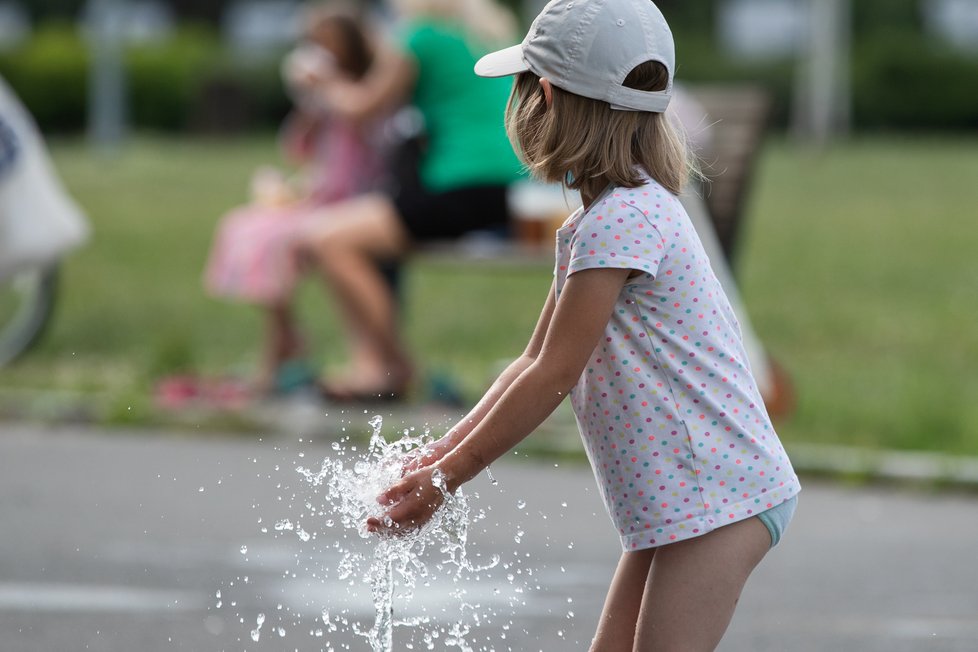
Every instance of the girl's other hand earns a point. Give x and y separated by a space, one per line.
424 456
413 500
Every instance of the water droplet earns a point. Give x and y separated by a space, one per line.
244 550
256 632
521 504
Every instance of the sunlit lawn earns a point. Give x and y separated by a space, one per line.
861 273
859 265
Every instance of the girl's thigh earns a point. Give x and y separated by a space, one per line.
369 224
694 585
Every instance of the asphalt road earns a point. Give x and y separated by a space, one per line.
120 541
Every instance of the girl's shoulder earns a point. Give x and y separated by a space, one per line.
635 202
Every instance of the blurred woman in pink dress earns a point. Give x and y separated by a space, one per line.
253 258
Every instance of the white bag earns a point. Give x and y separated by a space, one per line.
39 222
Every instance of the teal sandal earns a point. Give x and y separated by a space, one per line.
294 375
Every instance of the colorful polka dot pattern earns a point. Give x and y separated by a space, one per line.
670 415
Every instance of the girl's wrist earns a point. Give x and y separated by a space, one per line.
457 468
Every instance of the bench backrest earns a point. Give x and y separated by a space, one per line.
739 117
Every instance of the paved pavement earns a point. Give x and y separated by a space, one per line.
120 541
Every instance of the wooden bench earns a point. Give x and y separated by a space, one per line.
738 117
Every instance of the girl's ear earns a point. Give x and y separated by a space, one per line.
548 91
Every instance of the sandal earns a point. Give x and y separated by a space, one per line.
293 375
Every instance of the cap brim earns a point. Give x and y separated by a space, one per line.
502 63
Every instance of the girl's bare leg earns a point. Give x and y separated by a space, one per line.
281 342
694 585
616 629
351 237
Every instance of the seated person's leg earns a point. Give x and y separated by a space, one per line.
345 244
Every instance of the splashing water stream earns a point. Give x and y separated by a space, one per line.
396 564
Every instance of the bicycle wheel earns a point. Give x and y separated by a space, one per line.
26 302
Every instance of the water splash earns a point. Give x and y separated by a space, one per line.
397 562
422 590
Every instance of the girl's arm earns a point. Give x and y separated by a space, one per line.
388 83
296 136
457 433
575 326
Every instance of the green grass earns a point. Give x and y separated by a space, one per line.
132 307
861 273
858 265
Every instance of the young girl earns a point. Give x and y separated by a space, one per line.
637 331
254 257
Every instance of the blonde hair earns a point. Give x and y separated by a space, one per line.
592 143
487 20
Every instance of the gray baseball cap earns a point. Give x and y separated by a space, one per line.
588 47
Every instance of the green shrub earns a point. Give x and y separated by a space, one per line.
904 81
190 81
237 94
164 79
170 84
701 60
49 74
900 80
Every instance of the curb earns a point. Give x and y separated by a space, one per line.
556 438
936 469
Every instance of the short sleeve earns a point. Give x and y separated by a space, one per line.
616 235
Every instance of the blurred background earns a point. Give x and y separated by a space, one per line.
854 251
855 255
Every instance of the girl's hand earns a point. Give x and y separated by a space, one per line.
308 66
428 455
414 500
270 188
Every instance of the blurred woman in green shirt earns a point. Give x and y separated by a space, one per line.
465 166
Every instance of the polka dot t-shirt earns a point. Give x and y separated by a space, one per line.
671 417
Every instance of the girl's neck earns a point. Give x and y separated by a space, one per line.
587 200
592 195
